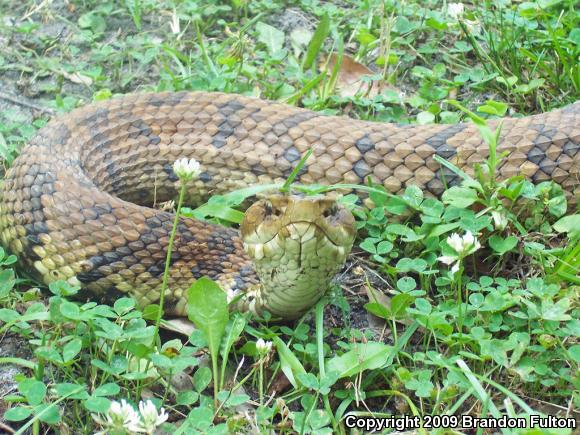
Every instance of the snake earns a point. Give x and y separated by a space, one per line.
80 202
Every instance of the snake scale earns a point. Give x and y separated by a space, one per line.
76 204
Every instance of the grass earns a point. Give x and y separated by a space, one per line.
403 333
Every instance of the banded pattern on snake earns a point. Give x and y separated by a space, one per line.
76 204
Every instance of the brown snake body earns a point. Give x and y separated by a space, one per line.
76 203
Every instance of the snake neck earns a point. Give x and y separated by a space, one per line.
289 303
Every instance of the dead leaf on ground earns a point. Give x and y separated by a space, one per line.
350 78
381 298
279 385
77 78
376 323
179 325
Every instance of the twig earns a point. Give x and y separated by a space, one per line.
22 103
35 9
6 428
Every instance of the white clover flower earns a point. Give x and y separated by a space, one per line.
473 26
263 347
451 260
455 10
150 417
465 245
500 220
447 259
456 242
186 169
120 417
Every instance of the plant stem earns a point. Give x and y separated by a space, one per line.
320 336
167 265
460 301
261 381
321 369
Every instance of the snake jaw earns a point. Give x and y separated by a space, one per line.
297 245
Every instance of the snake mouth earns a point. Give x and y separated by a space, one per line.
296 241
318 228
292 225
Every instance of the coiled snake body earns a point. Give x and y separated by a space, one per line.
76 203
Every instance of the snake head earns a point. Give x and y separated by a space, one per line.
297 245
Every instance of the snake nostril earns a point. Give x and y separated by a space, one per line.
268 208
330 211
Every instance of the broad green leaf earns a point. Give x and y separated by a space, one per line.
408 264
47 413
201 379
460 197
123 305
425 118
70 310
186 397
406 284
574 352
7 315
365 356
230 399
520 342
421 383
207 308
18 413
369 244
406 233
493 108
97 404
403 25
92 21
71 391
308 380
270 36
556 311
378 310
570 225
290 365
413 195
35 391
7 282
501 245
510 81
400 303
233 330
423 305
299 39
109 389
71 349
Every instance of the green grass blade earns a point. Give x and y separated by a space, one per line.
315 44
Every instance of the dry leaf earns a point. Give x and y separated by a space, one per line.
381 298
181 326
376 323
78 78
349 81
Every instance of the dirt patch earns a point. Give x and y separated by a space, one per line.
13 346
